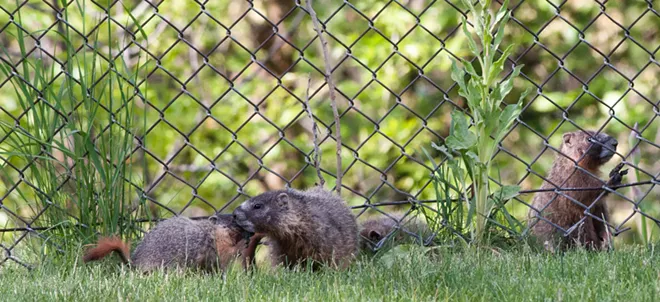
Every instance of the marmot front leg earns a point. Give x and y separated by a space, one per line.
616 176
600 211
585 235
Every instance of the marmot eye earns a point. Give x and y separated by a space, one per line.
257 206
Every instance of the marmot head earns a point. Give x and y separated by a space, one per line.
227 222
373 231
262 213
589 149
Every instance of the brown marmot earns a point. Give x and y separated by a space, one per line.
583 154
302 227
374 230
180 242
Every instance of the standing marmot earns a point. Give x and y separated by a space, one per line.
590 151
372 231
300 226
180 242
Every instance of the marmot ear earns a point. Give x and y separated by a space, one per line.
375 235
567 138
213 218
282 199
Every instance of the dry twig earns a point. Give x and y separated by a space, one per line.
331 88
317 153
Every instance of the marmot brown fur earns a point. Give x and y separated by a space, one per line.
302 226
181 242
372 231
589 151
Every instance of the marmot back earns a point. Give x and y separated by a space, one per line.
301 226
180 242
561 209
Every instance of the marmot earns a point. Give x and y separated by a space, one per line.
181 242
372 231
302 226
590 151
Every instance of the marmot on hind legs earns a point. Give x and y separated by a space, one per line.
584 153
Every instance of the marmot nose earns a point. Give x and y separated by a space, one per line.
607 140
614 143
238 216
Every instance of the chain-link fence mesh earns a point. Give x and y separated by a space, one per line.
223 92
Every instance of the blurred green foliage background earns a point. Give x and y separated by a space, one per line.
226 81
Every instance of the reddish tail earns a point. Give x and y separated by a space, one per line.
107 245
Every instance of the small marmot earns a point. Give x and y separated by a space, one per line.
180 242
583 155
302 226
373 231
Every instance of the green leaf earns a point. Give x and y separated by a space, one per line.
59 145
499 36
470 70
435 166
514 223
501 13
135 21
443 150
523 96
487 36
471 43
498 66
505 87
473 157
474 99
500 21
93 155
471 7
490 120
458 75
508 115
469 4
460 137
478 22
507 192
457 172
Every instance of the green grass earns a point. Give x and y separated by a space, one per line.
77 136
630 274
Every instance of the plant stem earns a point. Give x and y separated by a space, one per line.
331 90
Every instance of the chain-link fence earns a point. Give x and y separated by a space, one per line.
223 88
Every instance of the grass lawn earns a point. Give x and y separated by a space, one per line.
628 274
